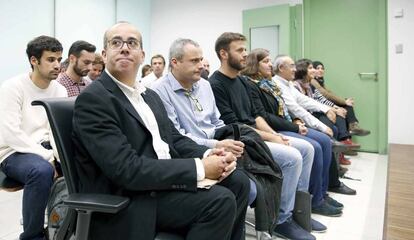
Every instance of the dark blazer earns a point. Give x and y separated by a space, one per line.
114 154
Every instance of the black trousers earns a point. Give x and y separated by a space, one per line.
216 213
339 128
350 115
333 173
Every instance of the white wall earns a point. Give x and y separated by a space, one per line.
202 21
20 22
68 21
400 73
83 20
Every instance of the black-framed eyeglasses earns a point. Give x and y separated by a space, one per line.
117 43
197 104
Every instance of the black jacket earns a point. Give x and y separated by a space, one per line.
114 155
258 164
267 107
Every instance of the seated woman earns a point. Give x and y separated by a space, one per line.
270 105
348 103
303 76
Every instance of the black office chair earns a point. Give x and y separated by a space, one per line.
59 112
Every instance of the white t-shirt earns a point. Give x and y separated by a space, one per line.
23 126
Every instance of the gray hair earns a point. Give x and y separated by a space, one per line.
279 61
177 48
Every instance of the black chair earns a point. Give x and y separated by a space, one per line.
59 112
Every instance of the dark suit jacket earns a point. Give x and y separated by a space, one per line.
114 154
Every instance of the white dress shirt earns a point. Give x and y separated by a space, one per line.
299 104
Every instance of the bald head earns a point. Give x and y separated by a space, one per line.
123 52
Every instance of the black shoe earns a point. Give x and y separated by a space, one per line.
334 203
327 210
317 226
291 230
343 189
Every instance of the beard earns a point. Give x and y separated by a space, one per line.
235 64
79 71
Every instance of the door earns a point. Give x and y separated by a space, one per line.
349 37
260 24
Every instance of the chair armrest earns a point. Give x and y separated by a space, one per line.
103 203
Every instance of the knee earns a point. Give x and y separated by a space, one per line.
294 160
43 171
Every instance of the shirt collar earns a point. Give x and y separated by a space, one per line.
125 88
282 80
70 80
176 86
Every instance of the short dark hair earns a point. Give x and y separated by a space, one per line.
302 68
158 56
225 39
78 46
252 63
38 45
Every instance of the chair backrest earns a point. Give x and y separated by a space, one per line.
60 112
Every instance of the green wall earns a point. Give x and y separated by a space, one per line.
289 20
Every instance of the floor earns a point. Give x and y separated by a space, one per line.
400 208
363 215
362 219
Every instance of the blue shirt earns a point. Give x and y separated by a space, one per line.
190 120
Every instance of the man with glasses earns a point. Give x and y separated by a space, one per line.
25 154
126 145
81 55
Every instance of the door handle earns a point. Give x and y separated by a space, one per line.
368 75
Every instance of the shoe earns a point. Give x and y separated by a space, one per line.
342 171
343 189
350 152
337 146
317 226
327 210
355 129
334 203
343 160
291 230
348 142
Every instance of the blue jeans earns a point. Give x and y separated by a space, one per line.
37 176
295 162
319 179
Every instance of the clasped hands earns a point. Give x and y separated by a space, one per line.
219 164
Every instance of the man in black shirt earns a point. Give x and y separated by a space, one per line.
233 100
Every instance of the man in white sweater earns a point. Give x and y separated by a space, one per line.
24 130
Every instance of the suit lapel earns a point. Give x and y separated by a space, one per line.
111 86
